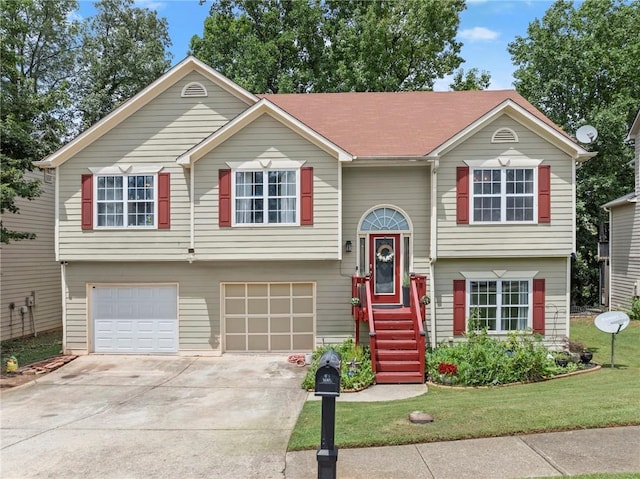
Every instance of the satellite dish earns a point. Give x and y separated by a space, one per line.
586 134
612 322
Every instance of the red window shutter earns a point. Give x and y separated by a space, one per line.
87 202
459 306
462 195
224 198
538 306
164 201
544 194
306 195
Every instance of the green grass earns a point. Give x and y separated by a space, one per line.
31 349
608 397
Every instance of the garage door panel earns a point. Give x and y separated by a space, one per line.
135 319
268 316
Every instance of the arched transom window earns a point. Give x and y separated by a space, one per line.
385 219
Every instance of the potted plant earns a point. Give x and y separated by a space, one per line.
406 290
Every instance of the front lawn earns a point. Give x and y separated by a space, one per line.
608 397
31 349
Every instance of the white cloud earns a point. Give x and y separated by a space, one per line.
478 34
150 4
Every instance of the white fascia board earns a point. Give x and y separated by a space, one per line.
623 200
522 116
635 128
136 102
262 107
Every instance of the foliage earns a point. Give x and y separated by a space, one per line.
356 376
328 46
37 45
483 360
32 349
591 78
634 311
462 413
472 80
124 48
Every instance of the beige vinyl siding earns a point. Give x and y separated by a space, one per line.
405 187
625 254
30 266
199 296
552 270
267 139
155 135
515 240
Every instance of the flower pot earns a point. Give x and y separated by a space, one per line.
406 295
562 362
586 357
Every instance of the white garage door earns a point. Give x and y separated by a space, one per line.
268 316
135 319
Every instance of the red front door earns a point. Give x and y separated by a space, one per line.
384 265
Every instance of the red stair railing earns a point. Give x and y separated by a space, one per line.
418 290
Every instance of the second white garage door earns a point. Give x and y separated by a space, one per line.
268 316
135 319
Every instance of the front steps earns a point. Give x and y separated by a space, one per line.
397 357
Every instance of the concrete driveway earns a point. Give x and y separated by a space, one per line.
161 417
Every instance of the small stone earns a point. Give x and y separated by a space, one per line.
419 417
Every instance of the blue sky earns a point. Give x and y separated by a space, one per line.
486 27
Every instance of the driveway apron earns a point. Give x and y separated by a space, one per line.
153 416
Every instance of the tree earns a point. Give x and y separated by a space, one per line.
37 51
279 46
578 66
124 48
472 80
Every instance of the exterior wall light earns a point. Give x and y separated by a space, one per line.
348 247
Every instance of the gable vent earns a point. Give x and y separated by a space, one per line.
504 135
194 89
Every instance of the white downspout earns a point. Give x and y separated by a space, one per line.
434 247
56 215
192 208
63 281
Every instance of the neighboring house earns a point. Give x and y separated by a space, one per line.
198 218
624 237
30 292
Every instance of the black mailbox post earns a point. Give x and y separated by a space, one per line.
328 387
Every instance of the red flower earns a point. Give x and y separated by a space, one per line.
447 368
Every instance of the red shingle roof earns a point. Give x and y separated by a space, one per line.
394 124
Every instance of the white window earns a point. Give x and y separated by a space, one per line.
126 201
503 195
500 305
265 196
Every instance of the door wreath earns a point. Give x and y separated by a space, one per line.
385 253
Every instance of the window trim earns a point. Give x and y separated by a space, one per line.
498 306
503 194
110 171
270 166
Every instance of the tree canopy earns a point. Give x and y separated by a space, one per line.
280 46
580 65
59 75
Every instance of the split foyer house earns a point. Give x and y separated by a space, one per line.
624 237
198 218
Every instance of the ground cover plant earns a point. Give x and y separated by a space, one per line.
31 349
356 372
606 397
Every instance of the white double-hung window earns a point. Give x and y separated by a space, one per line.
503 195
500 305
126 197
266 196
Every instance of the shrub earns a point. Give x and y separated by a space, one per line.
356 372
483 360
634 312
